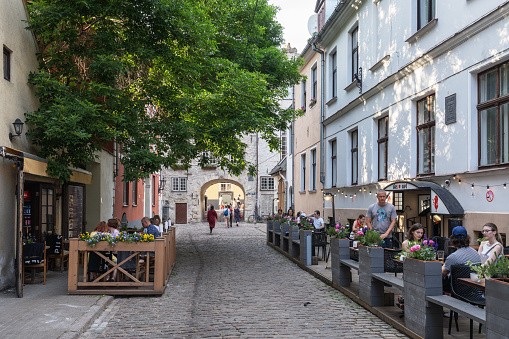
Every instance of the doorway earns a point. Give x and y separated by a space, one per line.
38 210
181 213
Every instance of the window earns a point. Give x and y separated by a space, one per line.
383 140
425 12
283 144
398 201
126 193
355 52
7 64
321 18
334 69
302 172
303 94
312 173
179 184
334 169
426 135
225 186
135 193
493 116
208 160
355 156
154 190
314 85
267 183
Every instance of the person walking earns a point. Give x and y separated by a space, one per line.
236 213
231 215
211 218
381 217
226 214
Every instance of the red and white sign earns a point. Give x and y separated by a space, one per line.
490 196
437 205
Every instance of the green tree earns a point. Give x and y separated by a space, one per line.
166 79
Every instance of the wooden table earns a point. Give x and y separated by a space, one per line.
469 282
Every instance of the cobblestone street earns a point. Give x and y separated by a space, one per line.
231 284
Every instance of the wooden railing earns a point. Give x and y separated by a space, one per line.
153 264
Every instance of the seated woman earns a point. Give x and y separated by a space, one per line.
96 264
290 213
491 249
357 225
414 234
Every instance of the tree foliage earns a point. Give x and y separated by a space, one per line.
166 79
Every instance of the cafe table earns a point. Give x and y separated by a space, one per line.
480 285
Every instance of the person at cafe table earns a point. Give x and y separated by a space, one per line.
148 227
317 221
461 241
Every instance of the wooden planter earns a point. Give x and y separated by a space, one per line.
340 249
140 282
497 308
270 229
421 279
371 260
306 243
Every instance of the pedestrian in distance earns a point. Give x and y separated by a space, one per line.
231 215
226 214
211 218
236 213
381 217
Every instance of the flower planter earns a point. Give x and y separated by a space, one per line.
371 260
421 279
285 228
270 230
277 234
305 237
293 248
497 308
340 249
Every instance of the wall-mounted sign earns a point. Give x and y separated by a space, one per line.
490 196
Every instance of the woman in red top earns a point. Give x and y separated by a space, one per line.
211 218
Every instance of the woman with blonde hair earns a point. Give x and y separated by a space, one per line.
492 248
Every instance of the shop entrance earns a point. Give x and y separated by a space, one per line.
38 210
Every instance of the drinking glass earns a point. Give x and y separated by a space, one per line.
440 255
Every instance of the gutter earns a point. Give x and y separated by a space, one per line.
322 109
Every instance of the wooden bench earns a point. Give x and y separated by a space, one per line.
465 309
390 279
350 263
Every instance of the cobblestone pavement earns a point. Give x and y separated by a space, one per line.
231 284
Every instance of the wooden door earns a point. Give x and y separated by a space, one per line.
181 213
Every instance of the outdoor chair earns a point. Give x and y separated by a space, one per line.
506 251
390 265
34 256
464 292
319 239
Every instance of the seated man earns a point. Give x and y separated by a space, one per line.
149 228
317 221
461 241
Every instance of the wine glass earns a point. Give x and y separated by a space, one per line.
440 255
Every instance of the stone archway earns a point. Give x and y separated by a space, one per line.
209 184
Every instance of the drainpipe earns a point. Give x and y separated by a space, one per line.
293 151
322 107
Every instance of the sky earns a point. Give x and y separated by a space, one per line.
294 15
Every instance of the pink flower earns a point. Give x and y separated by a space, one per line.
360 233
430 242
415 248
337 229
343 227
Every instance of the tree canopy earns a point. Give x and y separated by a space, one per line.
166 79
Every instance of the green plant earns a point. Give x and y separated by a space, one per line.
305 224
339 231
269 217
499 269
480 240
369 237
480 270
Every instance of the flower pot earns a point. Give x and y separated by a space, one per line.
421 279
340 249
305 246
293 248
270 230
371 260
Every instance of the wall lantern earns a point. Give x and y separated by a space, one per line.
18 129
162 183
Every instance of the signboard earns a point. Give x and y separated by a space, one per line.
401 186
437 205
75 203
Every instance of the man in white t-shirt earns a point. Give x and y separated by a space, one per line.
317 221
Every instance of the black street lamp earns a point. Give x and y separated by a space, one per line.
329 196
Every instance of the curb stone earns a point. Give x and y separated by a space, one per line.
81 324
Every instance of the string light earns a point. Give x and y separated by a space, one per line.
369 192
459 181
505 186
487 188
472 186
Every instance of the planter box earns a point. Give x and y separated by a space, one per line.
293 248
340 249
305 246
421 279
371 260
497 309
285 228
277 234
270 229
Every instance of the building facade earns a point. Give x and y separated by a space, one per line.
417 104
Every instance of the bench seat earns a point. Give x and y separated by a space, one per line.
276 232
390 279
350 263
465 309
296 241
286 237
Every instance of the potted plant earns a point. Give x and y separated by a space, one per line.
312 102
339 232
368 237
425 250
339 249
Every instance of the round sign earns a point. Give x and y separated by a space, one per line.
489 195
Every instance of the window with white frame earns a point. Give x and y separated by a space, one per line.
425 12
302 172
7 64
334 74
398 201
283 144
135 193
383 142
208 160
426 135
225 186
125 185
355 52
314 86
334 162
179 184
312 170
354 137
303 94
266 183
493 115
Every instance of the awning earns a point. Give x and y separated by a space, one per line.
37 166
280 167
442 201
